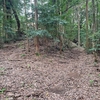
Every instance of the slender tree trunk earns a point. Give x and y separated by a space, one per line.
87 41
1 32
28 46
61 30
36 39
78 16
16 17
94 21
94 29
4 19
97 20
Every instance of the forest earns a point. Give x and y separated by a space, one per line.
50 50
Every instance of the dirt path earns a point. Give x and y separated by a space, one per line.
49 76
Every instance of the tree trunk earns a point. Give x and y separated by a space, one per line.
87 41
78 16
94 29
94 21
16 17
97 14
61 30
26 22
4 19
36 39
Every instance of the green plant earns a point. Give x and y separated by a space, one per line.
2 90
91 82
37 54
2 71
23 55
95 39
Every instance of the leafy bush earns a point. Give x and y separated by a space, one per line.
41 33
95 39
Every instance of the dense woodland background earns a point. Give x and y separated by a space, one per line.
61 21
49 49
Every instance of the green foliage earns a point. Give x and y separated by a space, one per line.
91 82
51 15
23 55
41 33
95 39
2 90
37 54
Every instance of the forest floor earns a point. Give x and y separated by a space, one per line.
72 75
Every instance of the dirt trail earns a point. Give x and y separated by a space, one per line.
49 76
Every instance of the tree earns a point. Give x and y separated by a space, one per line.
78 17
94 29
87 42
60 20
9 10
36 39
16 17
94 21
26 25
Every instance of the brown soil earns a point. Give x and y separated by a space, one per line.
72 75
